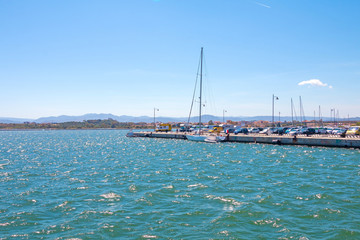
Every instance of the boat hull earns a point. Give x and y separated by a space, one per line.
198 138
205 138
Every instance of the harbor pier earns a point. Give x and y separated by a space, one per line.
311 140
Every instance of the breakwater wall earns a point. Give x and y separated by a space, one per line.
314 140
299 140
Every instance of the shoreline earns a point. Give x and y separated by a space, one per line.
57 129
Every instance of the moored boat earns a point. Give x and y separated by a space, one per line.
215 139
201 136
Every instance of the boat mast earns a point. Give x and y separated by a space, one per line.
201 65
300 112
292 113
272 119
321 124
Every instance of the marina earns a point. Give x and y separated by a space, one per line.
313 140
162 120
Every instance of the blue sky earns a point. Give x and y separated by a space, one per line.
126 57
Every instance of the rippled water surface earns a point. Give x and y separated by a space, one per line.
98 184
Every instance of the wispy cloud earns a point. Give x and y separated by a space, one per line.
261 4
314 82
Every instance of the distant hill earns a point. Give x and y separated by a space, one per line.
14 120
146 119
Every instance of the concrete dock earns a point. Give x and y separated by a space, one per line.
312 140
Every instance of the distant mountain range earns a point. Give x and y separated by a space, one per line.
124 118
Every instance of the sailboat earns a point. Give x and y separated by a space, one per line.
199 135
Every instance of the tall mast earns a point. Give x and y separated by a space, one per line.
201 65
300 112
320 124
272 119
292 113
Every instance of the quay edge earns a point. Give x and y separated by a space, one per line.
319 141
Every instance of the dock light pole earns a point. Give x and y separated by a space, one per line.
273 108
279 120
224 111
155 109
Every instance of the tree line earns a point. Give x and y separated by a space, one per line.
88 124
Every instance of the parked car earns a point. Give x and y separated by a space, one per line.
308 131
275 130
340 131
241 130
294 131
266 131
303 130
353 130
280 130
329 130
216 130
254 130
288 130
230 130
320 130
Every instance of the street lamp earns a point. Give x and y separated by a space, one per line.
273 102
155 109
224 111
279 120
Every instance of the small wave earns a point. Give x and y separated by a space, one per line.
183 179
110 195
198 185
303 238
318 196
4 224
213 177
183 196
62 204
20 236
226 233
132 188
226 200
273 222
4 162
149 236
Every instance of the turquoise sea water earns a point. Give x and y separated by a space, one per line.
98 184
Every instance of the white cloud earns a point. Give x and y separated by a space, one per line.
314 82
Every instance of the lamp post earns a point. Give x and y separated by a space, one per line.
279 120
273 108
155 109
224 111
